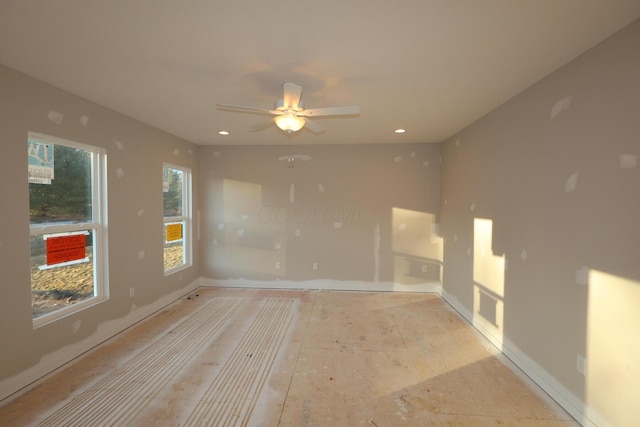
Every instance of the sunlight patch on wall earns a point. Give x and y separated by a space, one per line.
488 278
416 246
613 348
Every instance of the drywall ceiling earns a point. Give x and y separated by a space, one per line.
429 66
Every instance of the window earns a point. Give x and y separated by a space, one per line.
177 218
67 212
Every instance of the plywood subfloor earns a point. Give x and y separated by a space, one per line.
238 357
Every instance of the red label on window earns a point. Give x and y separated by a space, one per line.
65 248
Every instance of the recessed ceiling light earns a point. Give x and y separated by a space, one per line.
399 131
223 132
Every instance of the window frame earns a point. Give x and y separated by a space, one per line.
97 225
186 219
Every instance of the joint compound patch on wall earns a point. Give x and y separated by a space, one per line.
560 106
425 163
84 120
119 145
176 152
120 173
628 161
571 183
523 255
55 117
216 154
320 188
397 159
582 275
140 212
141 254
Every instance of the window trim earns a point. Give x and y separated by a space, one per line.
187 237
98 226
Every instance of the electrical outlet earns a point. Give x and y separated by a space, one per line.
424 268
277 265
315 266
132 292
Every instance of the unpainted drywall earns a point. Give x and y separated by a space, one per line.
540 216
135 153
364 214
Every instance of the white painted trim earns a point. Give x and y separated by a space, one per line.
575 406
13 387
323 284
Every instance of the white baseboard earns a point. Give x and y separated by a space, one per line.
17 385
323 284
575 406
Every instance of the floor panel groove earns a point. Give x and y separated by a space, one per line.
285 358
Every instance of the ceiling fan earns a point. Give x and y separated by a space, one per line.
290 114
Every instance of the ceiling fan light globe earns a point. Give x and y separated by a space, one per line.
289 122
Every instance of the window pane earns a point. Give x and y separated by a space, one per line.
66 197
174 245
55 282
172 192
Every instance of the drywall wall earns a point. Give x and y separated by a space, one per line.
350 217
540 216
136 153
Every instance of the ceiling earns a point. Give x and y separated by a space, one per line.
431 67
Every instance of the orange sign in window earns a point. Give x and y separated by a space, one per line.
174 232
65 248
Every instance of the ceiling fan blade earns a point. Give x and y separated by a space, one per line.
313 126
243 108
261 126
292 94
331 111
